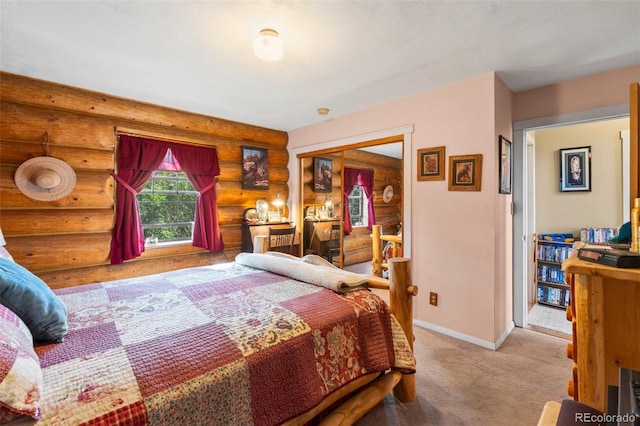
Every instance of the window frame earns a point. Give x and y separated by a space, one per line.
363 206
178 179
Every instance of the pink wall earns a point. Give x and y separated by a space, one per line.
461 246
455 236
595 91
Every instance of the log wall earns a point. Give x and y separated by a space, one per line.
67 242
386 171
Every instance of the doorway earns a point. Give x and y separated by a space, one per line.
524 198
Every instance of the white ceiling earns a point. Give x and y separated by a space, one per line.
343 55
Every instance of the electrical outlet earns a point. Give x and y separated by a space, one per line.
433 298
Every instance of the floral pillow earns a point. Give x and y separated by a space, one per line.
20 372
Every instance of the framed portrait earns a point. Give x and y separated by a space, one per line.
465 172
322 175
505 165
255 168
431 163
575 169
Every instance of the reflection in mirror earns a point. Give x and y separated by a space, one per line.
325 232
322 206
385 163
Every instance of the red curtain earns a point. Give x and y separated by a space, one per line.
363 178
138 158
201 167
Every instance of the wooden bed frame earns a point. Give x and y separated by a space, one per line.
366 392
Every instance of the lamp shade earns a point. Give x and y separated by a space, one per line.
328 203
2 241
278 202
267 46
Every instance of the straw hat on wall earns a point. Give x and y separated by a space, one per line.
45 178
387 194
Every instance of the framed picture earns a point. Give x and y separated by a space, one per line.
274 216
505 165
431 163
575 169
322 175
255 168
465 172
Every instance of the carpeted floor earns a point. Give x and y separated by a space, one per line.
460 383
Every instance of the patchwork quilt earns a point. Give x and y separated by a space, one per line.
218 345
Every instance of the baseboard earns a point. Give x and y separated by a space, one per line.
466 337
505 334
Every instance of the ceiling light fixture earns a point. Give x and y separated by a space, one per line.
323 111
267 46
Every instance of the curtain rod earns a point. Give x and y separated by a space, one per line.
358 168
158 136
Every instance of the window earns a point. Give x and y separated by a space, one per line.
167 207
358 206
164 205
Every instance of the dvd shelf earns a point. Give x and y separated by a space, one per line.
551 251
597 235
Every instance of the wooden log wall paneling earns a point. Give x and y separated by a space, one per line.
386 171
67 242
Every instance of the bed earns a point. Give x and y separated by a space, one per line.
265 340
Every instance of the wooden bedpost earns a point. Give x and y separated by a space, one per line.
376 232
401 292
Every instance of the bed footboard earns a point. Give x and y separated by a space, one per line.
371 389
401 293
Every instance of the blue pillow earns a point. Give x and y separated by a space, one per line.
33 301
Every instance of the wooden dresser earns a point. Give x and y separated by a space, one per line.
252 229
317 234
605 313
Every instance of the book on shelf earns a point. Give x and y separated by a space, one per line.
550 251
550 274
554 296
597 235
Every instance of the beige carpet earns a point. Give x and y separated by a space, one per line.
461 383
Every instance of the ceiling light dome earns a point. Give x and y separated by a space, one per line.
267 46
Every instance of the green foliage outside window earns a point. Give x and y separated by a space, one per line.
356 206
167 207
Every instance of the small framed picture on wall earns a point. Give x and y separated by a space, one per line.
505 165
575 169
322 179
431 163
255 168
465 172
